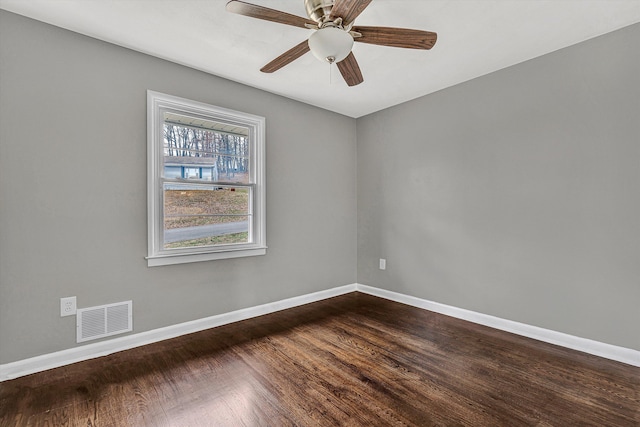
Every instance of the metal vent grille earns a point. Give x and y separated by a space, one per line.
103 321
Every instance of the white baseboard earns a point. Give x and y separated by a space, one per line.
608 351
103 348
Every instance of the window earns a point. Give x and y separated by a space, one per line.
206 195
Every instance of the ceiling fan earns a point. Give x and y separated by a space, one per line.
332 40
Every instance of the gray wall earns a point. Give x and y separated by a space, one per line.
516 194
73 217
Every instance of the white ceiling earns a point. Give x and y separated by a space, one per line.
475 37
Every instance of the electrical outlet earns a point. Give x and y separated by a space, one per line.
67 306
383 264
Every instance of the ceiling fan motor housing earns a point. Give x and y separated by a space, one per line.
318 10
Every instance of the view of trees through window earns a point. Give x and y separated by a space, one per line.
207 183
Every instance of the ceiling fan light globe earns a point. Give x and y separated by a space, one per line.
330 44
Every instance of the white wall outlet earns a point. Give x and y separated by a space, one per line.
67 306
383 264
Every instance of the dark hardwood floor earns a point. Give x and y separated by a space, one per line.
353 360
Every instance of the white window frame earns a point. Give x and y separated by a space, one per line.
157 103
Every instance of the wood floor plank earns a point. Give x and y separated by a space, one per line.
353 360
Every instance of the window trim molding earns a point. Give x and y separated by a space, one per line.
156 256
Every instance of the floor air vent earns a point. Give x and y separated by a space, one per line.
103 321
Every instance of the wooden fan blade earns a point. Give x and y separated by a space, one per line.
348 10
286 58
267 14
396 37
350 70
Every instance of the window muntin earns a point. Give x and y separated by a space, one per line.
206 182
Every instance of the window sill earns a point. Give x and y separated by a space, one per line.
159 260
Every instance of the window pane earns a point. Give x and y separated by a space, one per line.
205 150
198 215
